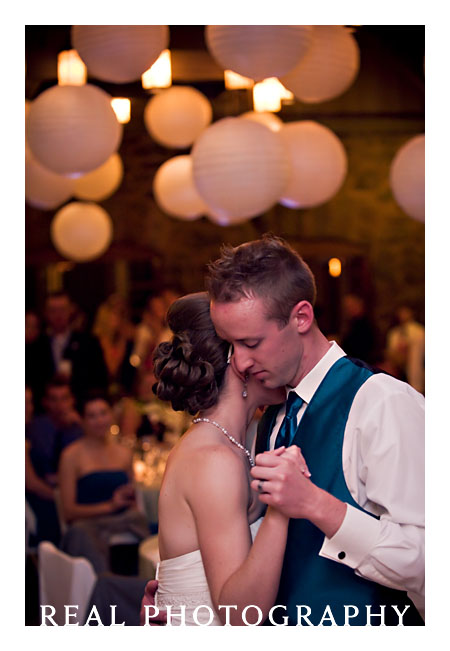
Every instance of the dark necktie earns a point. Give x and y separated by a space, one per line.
289 425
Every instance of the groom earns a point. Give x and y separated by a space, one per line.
355 550
357 525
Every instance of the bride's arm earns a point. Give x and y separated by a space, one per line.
238 573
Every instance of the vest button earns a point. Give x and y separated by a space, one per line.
341 555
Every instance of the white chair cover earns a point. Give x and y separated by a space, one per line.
64 580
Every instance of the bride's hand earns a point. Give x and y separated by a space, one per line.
295 453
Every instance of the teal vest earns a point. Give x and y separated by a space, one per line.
309 579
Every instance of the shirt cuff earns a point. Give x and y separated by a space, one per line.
353 540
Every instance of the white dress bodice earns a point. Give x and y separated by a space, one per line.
182 585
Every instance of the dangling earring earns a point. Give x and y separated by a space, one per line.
244 390
230 353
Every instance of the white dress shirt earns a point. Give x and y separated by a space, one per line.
383 464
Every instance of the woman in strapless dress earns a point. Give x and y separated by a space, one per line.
218 554
96 488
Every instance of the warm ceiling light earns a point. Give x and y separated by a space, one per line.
159 75
122 109
234 81
334 267
266 95
71 69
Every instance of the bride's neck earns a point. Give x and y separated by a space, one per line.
234 417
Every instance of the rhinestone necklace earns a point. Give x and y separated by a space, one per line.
228 435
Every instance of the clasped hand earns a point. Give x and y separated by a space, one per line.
284 478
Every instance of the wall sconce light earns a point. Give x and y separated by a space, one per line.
71 69
334 267
159 75
233 81
122 109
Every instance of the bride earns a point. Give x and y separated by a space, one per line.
218 555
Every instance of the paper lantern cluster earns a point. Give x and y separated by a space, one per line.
102 182
72 130
258 51
81 231
176 117
119 53
407 177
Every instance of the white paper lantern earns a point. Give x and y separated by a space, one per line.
119 53
81 231
328 68
72 130
240 167
268 119
258 51
318 164
174 189
407 177
177 116
101 183
43 188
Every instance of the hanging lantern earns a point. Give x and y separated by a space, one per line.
174 189
407 177
240 167
43 188
258 51
119 53
268 119
328 68
101 183
177 116
72 130
159 75
318 164
71 69
81 231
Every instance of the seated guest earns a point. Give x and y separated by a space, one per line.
96 489
45 436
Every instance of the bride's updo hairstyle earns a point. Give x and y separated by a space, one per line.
191 367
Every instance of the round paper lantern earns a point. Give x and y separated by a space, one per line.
177 116
43 188
102 182
174 189
268 119
72 130
81 231
318 164
119 53
407 177
240 167
258 51
328 68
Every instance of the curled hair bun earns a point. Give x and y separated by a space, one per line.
184 377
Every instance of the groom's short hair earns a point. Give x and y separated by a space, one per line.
267 268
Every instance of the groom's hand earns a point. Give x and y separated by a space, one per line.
286 486
149 600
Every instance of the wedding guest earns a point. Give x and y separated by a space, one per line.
96 487
405 348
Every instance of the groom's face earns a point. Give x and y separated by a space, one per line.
270 353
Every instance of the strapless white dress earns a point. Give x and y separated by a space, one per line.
183 586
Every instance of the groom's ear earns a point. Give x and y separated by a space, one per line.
303 316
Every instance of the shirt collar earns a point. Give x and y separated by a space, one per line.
308 385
